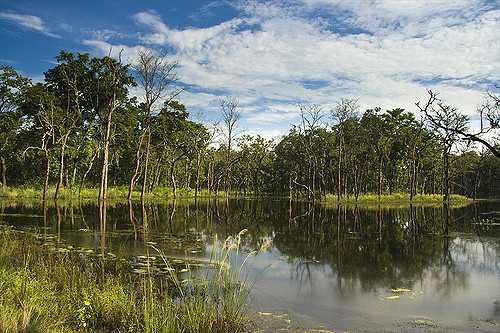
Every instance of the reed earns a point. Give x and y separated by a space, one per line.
394 198
61 290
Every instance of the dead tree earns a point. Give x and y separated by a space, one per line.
156 75
447 124
230 110
345 109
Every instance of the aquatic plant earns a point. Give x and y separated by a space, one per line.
71 291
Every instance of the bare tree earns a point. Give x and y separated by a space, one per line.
230 110
311 116
489 117
345 109
70 119
46 117
111 81
447 124
156 75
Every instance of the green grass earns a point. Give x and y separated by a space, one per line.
114 193
120 194
396 198
45 290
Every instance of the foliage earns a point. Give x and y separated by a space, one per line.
65 291
81 121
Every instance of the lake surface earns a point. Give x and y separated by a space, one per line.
340 268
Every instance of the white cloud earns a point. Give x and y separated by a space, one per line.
275 53
186 39
127 53
28 21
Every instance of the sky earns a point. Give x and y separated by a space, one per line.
274 55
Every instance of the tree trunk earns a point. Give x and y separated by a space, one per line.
172 175
73 177
356 190
87 171
339 170
47 174
61 166
413 179
103 191
228 159
446 181
136 170
198 162
4 174
145 172
209 178
379 177
172 179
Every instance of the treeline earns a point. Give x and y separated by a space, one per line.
81 127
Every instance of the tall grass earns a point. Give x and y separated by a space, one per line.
114 193
394 198
67 291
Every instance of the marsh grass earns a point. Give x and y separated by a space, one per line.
396 198
53 291
118 194
114 193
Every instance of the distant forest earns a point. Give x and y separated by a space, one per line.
81 127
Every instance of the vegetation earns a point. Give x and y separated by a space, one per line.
81 128
45 288
396 198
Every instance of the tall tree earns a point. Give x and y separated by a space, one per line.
11 90
489 118
69 80
41 107
447 123
109 79
230 111
344 110
156 75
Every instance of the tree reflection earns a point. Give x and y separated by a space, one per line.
356 247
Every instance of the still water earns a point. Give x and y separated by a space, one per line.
338 268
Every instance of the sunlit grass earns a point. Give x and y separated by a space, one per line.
53 291
114 193
395 198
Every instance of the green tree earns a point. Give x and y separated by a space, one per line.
11 89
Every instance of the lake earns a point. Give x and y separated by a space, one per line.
338 268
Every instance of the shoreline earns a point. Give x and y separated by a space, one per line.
120 193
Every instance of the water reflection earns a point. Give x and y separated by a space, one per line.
330 265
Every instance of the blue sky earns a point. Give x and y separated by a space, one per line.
272 55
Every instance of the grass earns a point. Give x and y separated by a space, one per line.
114 193
120 193
396 198
61 290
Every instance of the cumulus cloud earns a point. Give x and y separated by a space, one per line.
276 53
30 22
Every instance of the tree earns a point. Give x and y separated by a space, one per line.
447 123
109 80
311 116
156 75
69 80
11 89
230 111
343 111
41 106
489 116
170 136
374 130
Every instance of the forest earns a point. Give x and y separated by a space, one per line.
82 128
